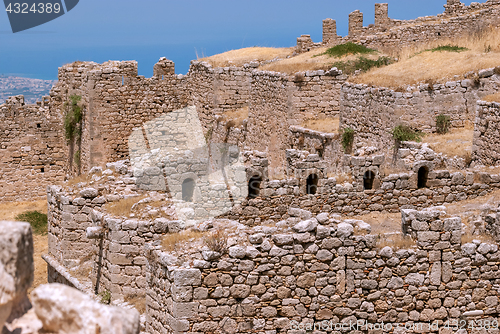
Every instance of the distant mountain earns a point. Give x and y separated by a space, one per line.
32 89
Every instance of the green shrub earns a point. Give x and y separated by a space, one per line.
443 123
347 139
347 49
105 297
448 48
73 118
404 133
77 158
37 220
362 63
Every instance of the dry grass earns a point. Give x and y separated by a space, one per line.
122 207
341 178
491 98
382 222
8 211
236 117
396 241
418 66
457 142
139 302
246 55
216 241
171 240
468 238
471 205
329 125
309 61
85 178
41 246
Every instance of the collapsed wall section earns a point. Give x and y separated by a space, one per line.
285 281
32 153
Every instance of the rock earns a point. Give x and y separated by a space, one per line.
283 239
324 255
240 290
302 214
237 252
256 238
62 309
414 279
89 193
209 255
322 217
16 256
7 295
344 230
306 226
395 283
386 252
363 227
469 249
95 232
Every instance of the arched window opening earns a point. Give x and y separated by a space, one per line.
423 174
368 179
188 190
254 186
312 184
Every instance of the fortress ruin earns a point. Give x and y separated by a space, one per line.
293 254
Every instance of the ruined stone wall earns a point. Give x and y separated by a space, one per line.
278 281
458 20
374 111
32 153
486 149
326 145
390 192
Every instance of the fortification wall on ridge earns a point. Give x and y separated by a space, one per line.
457 20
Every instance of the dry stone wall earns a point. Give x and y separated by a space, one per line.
32 153
322 273
486 149
374 111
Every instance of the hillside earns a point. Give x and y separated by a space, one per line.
32 89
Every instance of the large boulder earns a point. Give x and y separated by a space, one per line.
65 310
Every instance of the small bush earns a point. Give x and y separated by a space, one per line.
362 63
37 220
443 123
105 297
347 139
405 133
217 242
448 48
73 118
347 49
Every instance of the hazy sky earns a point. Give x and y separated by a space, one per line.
100 30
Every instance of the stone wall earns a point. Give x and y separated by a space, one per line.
486 149
32 151
322 273
389 192
457 20
374 111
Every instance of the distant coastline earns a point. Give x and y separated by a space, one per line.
32 89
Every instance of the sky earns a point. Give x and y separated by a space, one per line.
146 30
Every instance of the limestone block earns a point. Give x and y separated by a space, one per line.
62 309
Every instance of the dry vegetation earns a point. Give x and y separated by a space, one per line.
310 61
122 207
172 240
382 222
8 211
457 142
236 117
341 178
396 241
491 98
139 302
126 206
246 55
416 65
329 125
